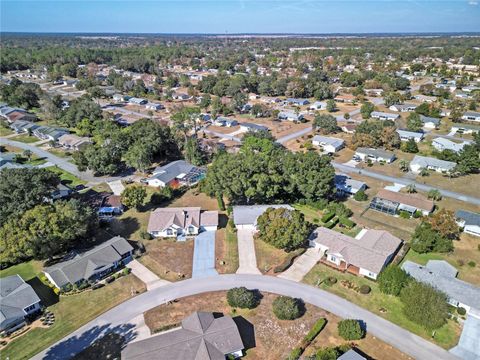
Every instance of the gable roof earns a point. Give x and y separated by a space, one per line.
163 218
346 183
376 152
201 337
425 161
469 217
335 142
409 134
417 201
427 119
441 267
172 170
384 114
248 214
370 252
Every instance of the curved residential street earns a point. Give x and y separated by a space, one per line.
121 318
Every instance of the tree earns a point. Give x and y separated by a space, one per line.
425 240
414 123
434 194
285 229
134 196
331 106
444 223
468 160
22 189
410 146
367 109
411 188
360 195
241 297
392 279
350 329
424 305
287 308
28 154
139 156
404 166
327 124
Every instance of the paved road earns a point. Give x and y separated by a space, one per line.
58 161
451 194
119 318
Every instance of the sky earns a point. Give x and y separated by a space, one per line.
240 16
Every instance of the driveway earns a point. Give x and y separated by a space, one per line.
468 347
302 265
204 255
120 317
151 280
246 253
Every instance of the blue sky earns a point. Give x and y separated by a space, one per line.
240 16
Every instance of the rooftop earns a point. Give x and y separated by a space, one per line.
417 201
248 214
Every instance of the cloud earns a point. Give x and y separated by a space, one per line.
473 3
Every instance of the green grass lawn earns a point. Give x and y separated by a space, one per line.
26 270
5 131
447 336
71 312
67 177
231 254
25 138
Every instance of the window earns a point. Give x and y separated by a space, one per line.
333 258
191 229
169 232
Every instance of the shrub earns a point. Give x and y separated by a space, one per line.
460 262
109 279
347 222
221 204
126 271
331 224
97 286
287 308
331 280
295 354
315 330
461 311
472 264
327 217
404 214
365 289
392 280
316 220
350 329
242 298
360 196
417 214
146 235
56 291
327 354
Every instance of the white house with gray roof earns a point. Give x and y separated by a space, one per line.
468 221
245 216
328 144
318 105
471 116
18 300
441 144
403 107
374 155
176 173
406 135
90 265
429 122
422 162
440 275
345 185
290 115
384 115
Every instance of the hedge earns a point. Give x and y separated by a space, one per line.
289 260
295 354
307 340
327 217
331 224
347 222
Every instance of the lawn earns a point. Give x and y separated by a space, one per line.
71 312
67 177
226 250
25 138
386 306
5 131
27 270
268 256
60 153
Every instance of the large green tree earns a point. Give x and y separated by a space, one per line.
392 279
326 124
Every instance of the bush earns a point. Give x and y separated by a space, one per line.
126 271
327 217
289 260
417 214
472 264
242 298
461 311
331 224
365 289
404 214
347 222
315 330
331 280
221 204
392 280
327 354
295 354
287 308
146 235
360 196
350 329
109 279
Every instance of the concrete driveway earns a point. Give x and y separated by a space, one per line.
204 255
151 280
302 265
468 347
246 253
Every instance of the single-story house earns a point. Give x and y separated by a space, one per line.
154 106
349 128
365 256
73 142
374 92
49 133
223 121
441 144
384 115
245 108
425 98
406 135
298 102
61 192
403 107
375 155
20 115
465 128
23 126
471 116
290 116
111 206
351 355
422 162
253 127
346 98
468 221
391 202
318 105
345 185
442 276
245 216
118 97
137 101
90 265
429 122
176 173
18 300
8 161
175 222
328 144
181 96
201 336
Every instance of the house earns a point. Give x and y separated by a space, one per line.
349 128
465 128
471 116
422 162
49 133
20 115
441 144
366 255
253 127
177 222
318 105
176 173
246 108
347 98
429 122
137 101
118 97
290 116
345 185
374 155
403 107
23 126
328 144
391 202
73 142
61 192
181 96
298 102
374 92
425 98
406 135
18 301
384 115
468 221
210 146
90 265
8 161
154 106
245 216
351 355
223 121
111 205
443 276
201 336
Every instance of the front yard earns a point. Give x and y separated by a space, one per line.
66 177
25 138
226 251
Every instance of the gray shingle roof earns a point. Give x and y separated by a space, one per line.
470 218
248 214
424 161
201 337
442 267
351 355
172 170
455 289
335 142
376 152
345 183
427 119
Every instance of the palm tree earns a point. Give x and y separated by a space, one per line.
404 165
411 188
28 154
434 194
424 172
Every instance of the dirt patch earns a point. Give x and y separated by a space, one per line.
169 259
268 256
194 198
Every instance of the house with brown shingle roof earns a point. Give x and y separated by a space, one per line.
188 221
392 202
365 255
